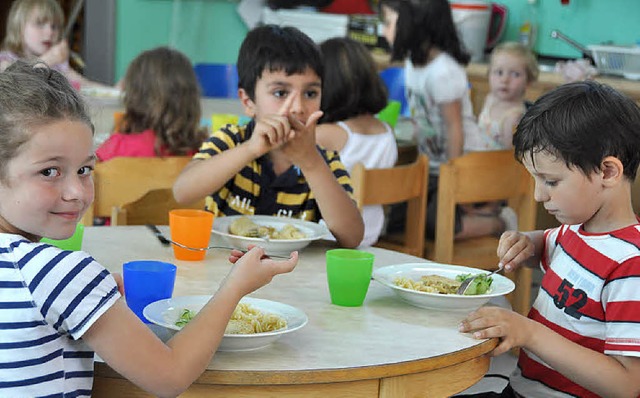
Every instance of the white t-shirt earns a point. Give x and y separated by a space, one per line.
48 300
441 81
374 151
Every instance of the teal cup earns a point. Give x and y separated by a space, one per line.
73 243
348 276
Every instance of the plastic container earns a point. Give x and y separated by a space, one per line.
480 25
217 80
617 60
528 32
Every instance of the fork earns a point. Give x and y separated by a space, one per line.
166 242
465 284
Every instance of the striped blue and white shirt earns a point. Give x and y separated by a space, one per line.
48 300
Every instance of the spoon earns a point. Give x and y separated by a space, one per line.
465 284
166 242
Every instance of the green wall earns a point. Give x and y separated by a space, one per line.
585 21
212 31
205 30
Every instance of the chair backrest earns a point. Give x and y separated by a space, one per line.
126 179
483 177
407 183
152 208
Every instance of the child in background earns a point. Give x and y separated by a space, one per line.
352 94
581 143
512 68
161 118
58 307
423 34
34 29
272 165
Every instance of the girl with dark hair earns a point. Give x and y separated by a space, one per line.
352 94
422 33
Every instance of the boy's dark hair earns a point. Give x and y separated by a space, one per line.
275 48
351 84
422 25
582 123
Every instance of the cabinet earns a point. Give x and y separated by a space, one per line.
479 81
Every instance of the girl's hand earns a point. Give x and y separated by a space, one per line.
57 54
513 329
254 269
514 249
236 254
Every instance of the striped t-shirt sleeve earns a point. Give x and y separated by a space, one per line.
70 288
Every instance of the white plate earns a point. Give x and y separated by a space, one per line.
313 231
386 275
167 312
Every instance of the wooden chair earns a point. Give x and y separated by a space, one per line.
122 180
482 177
152 208
407 183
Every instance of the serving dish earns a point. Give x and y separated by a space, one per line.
387 275
166 312
313 231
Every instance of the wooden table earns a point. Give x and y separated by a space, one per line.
386 348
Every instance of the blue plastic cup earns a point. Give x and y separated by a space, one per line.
147 281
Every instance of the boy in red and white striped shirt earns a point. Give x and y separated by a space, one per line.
581 143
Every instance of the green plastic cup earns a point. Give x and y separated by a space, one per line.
390 113
348 276
73 243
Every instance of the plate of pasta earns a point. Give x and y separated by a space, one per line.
255 323
433 285
277 235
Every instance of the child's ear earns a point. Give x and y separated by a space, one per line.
612 170
247 103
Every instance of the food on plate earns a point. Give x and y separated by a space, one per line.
246 319
480 285
443 285
244 226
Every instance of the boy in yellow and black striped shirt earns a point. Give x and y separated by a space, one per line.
272 166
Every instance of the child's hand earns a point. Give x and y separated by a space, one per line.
272 131
254 269
514 249
302 144
236 254
57 54
513 329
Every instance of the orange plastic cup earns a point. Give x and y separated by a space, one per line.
191 228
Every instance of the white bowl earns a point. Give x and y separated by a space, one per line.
166 312
313 231
386 276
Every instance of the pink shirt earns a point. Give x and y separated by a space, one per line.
140 145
